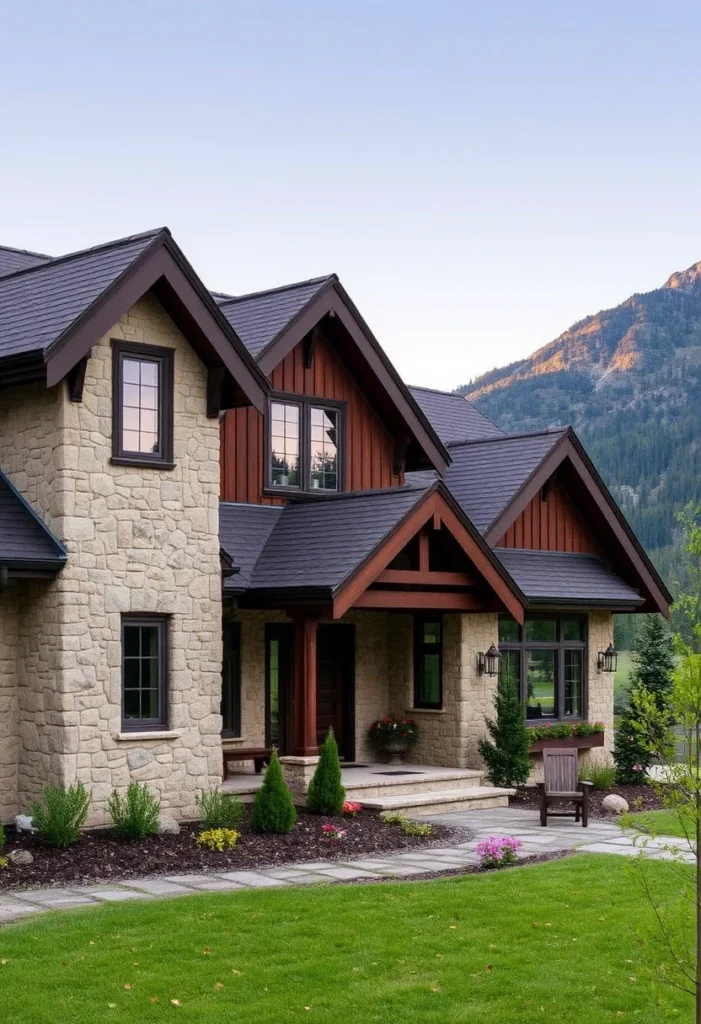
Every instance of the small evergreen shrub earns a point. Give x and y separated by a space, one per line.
506 758
273 807
2 836
220 810
326 795
60 814
602 776
136 814
218 839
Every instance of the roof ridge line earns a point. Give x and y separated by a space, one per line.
508 437
278 288
26 252
438 391
116 243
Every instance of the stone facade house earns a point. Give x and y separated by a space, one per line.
226 524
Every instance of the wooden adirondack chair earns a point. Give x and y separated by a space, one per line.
562 785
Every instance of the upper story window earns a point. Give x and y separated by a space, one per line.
546 658
304 445
142 405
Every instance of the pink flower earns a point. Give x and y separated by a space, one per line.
351 807
637 767
496 851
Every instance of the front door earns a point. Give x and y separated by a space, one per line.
279 639
335 686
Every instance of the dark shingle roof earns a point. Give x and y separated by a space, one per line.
259 317
243 532
452 417
561 576
484 476
24 539
37 304
12 260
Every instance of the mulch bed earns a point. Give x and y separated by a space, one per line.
101 856
640 798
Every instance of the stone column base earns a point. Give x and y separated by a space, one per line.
298 772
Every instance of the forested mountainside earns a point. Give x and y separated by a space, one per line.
629 380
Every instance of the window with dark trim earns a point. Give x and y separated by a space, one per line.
304 443
231 680
142 405
428 662
144 672
547 659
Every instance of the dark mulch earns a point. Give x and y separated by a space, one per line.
101 856
640 798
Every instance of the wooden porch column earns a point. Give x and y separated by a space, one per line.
304 725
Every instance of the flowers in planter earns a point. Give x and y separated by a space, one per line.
351 808
563 730
497 851
393 730
218 839
334 834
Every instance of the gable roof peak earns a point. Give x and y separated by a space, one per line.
224 299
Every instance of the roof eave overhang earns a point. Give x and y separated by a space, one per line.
162 267
560 603
333 299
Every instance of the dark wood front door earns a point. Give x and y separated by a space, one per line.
279 689
335 686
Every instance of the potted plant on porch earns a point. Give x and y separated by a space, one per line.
393 736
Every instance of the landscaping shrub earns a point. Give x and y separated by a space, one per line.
393 818
334 834
497 851
602 776
273 807
220 810
2 836
135 815
506 758
218 839
60 814
416 828
326 795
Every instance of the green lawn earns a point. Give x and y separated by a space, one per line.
552 942
657 823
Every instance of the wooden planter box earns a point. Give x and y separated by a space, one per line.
578 742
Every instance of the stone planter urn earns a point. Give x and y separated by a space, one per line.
397 750
393 736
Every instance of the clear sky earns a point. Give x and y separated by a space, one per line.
480 175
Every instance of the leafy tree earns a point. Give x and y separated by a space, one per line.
506 757
326 794
273 807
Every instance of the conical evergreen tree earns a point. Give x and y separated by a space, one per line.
653 659
506 758
326 794
273 807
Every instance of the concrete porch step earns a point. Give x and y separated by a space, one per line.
376 783
441 800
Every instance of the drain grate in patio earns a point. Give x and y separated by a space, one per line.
400 772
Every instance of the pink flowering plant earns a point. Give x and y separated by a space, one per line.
390 730
351 808
496 851
563 730
334 834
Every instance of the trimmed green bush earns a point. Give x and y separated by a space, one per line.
273 807
219 810
326 795
506 758
60 814
602 776
136 814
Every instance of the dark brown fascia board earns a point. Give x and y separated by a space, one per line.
333 298
570 447
161 260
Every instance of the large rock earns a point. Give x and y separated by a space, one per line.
167 826
614 804
20 858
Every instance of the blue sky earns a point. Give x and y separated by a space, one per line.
479 175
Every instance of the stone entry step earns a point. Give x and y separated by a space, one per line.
380 781
441 801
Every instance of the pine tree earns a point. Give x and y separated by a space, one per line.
630 755
326 794
506 758
653 659
273 807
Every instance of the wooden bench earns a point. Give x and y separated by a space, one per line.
562 785
259 755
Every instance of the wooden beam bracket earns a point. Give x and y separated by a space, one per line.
75 378
216 375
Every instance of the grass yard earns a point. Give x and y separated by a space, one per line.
551 942
657 823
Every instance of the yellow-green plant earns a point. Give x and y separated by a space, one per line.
393 818
415 828
218 839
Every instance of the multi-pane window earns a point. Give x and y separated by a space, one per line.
304 445
546 660
144 672
231 680
428 662
142 420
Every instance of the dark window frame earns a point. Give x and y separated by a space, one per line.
160 723
560 646
305 403
421 648
231 680
165 358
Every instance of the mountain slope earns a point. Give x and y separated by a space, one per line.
629 380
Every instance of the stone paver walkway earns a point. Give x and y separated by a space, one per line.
560 834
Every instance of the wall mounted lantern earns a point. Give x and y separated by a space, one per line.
488 664
608 659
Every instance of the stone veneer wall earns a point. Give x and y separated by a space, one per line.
9 710
139 540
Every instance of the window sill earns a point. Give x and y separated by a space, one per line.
148 734
231 740
296 492
426 711
124 460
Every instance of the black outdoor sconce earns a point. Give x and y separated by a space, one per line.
488 664
608 659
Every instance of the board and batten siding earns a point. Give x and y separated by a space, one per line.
552 523
368 448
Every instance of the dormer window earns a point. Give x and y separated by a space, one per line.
142 405
304 445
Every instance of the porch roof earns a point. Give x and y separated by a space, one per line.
26 543
563 577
